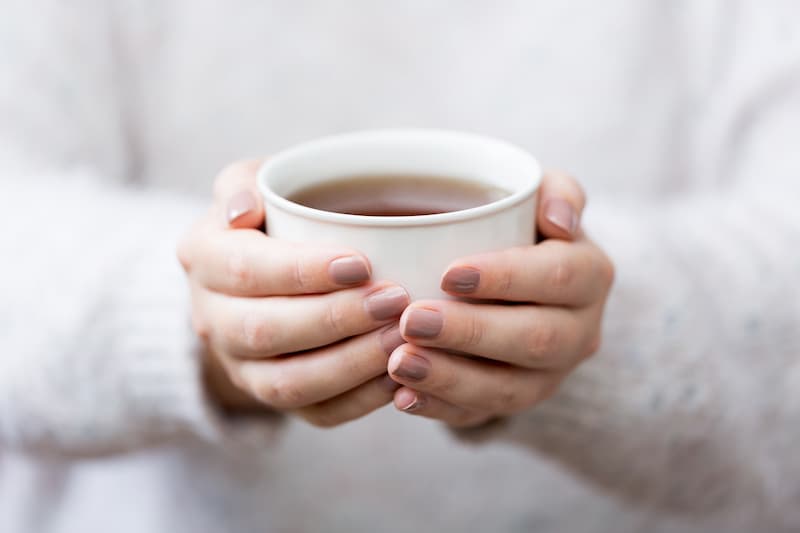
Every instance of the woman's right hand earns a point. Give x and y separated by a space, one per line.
293 327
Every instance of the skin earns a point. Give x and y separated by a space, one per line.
282 334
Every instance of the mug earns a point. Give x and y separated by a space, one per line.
412 251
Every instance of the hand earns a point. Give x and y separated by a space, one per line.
291 327
535 315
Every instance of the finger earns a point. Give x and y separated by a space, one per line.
249 263
528 336
552 272
318 375
350 405
560 204
421 404
465 382
265 327
236 196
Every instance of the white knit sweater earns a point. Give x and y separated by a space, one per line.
682 119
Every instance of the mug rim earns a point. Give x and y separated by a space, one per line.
273 198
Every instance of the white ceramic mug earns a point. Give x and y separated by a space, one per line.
413 251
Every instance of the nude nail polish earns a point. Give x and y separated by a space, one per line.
348 270
412 367
560 212
387 303
239 205
461 280
423 323
410 401
414 405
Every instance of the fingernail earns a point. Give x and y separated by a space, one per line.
388 383
410 401
462 280
560 212
412 366
414 405
423 323
391 339
239 205
349 270
388 303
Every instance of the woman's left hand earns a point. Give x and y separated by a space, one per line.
536 315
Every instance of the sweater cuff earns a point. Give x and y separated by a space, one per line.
585 405
157 357
164 381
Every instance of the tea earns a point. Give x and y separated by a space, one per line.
392 195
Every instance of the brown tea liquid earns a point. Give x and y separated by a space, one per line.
394 195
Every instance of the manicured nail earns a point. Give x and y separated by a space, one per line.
388 383
388 303
391 339
240 204
410 401
560 212
462 280
349 270
423 323
412 366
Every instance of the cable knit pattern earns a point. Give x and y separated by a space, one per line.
680 118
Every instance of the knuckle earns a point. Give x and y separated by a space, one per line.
562 274
474 331
257 334
501 275
281 392
541 342
266 393
508 397
236 377
506 400
505 280
240 271
301 279
336 319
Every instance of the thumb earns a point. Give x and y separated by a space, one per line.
560 204
236 196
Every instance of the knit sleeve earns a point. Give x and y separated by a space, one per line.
98 355
693 403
